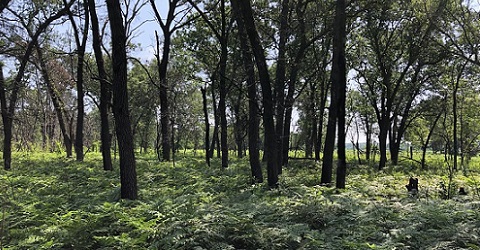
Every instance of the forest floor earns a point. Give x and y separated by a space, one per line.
50 202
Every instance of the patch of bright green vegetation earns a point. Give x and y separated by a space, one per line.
49 202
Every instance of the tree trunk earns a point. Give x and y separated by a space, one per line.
382 138
339 70
253 125
163 94
105 91
239 126
368 135
222 107
79 81
216 121
321 113
207 126
455 121
339 85
7 123
280 78
264 76
57 102
128 174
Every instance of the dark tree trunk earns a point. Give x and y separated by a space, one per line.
162 63
264 76
280 78
239 126
328 149
368 135
339 72
455 121
222 107
314 121
207 126
105 91
128 174
57 102
292 80
7 123
321 113
253 125
382 139
79 81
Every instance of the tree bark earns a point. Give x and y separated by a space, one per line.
339 70
162 63
207 126
280 78
7 123
128 174
105 91
223 39
253 125
264 76
81 45
384 125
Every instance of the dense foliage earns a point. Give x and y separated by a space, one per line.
50 202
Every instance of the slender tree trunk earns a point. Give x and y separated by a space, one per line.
239 128
339 70
264 76
105 91
427 141
7 123
163 94
222 105
79 82
455 121
368 135
280 78
57 103
207 126
253 125
216 121
128 174
321 113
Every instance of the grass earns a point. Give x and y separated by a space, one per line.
49 202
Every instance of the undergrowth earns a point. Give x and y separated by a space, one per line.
49 202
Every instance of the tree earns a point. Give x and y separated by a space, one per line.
221 34
81 46
9 102
168 26
128 174
58 104
253 124
336 111
394 40
105 91
267 98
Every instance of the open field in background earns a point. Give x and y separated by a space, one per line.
49 202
